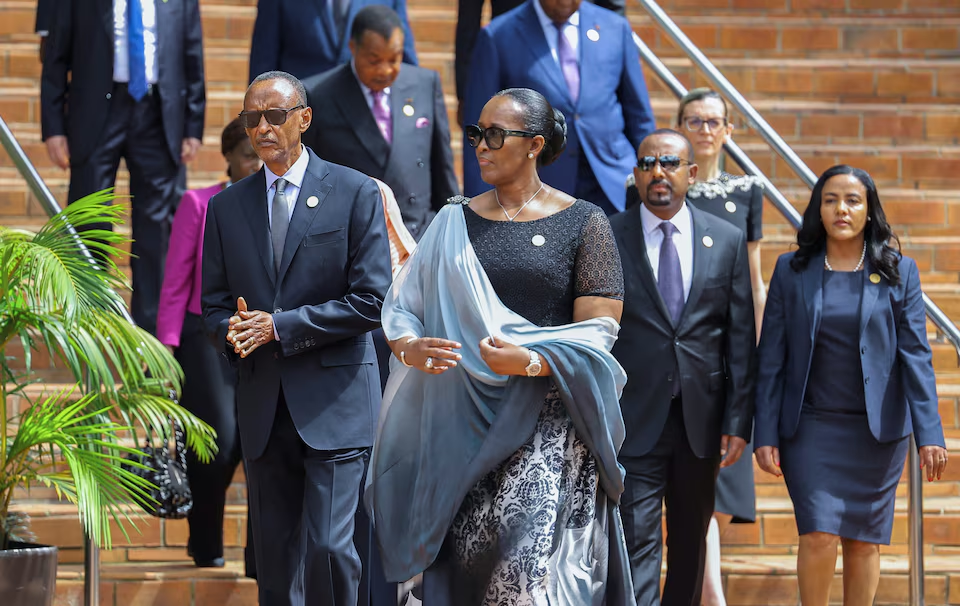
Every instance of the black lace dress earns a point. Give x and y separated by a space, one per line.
502 539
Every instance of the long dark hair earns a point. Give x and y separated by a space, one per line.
878 235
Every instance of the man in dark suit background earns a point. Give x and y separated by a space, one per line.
583 60
144 103
469 13
385 119
295 267
687 342
309 37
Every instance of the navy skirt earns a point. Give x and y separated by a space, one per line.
841 480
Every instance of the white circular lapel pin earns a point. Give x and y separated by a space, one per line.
312 201
538 240
707 241
730 206
408 110
593 35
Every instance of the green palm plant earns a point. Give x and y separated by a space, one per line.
54 297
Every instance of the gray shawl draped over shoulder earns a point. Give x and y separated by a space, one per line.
440 434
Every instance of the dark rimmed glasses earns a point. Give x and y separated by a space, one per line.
276 117
668 163
493 135
695 123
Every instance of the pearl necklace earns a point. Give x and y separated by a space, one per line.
859 266
505 213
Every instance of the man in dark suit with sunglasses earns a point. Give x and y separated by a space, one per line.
687 343
144 104
295 267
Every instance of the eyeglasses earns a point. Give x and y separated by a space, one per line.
695 123
493 135
668 163
275 117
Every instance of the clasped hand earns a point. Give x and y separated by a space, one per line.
503 357
249 329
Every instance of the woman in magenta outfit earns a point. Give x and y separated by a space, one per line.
209 385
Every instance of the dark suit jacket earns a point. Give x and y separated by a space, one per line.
327 297
899 383
81 45
418 166
299 36
714 344
612 113
468 26
44 15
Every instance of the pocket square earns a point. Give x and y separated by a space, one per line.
423 122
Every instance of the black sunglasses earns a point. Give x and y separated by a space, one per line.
275 117
668 163
494 135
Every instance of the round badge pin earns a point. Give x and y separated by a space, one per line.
538 240
731 207
312 201
707 241
593 34
408 110
875 278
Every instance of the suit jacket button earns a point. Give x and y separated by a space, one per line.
276 356
420 163
277 310
109 95
863 350
866 381
413 198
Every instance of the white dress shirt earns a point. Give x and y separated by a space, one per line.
571 31
367 92
294 177
682 239
121 58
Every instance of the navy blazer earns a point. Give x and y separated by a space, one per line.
325 299
300 37
612 113
898 378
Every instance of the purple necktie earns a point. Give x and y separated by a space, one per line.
669 278
381 113
568 62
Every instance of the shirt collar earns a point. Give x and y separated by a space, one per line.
651 222
546 22
294 174
363 87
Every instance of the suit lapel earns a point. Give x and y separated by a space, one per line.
871 292
813 294
106 13
303 214
326 17
255 209
702 261
402 94
589 50
353 105
540 48
636 247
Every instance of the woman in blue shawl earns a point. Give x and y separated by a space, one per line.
495 467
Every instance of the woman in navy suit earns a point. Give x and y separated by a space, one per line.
847 375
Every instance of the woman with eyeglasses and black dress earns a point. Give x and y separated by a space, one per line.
495 468
845 376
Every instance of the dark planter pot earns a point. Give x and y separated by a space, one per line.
28 575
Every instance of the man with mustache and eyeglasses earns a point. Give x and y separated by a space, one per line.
687 342
296 263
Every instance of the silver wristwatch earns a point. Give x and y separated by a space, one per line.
534 367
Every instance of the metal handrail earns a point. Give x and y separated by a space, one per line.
945 326
91 553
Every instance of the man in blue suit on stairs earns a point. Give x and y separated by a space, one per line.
583 60
309 37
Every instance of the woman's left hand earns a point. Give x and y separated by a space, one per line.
504 358
934 458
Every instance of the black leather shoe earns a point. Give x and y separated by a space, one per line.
214 563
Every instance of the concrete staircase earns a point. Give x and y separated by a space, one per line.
874 83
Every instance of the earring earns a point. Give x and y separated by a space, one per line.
530 155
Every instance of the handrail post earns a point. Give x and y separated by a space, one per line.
943 322
915 522
91 553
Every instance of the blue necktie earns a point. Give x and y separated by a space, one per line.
669 278
137 86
